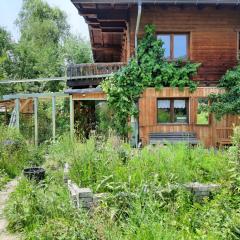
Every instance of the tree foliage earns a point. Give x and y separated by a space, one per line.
77 50
148 69
229 101
44 48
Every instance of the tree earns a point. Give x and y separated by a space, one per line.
77 50
229 101
6 46
43 30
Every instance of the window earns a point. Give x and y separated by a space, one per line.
202 114
175 45
172 110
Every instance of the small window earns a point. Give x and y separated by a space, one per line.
202 113
166 39
172 111
175 45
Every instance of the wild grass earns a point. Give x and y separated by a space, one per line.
145 198
45 211
99 164
15 153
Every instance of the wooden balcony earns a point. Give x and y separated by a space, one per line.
90 74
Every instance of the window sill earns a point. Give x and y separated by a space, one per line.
175 124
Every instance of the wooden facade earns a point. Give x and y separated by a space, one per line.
208 134
213 35
213 30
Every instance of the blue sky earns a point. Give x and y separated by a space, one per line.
9 10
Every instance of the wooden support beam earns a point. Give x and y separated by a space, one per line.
33 95
17 109
71 116
54 117
36 121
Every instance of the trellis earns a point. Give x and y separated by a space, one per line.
36 97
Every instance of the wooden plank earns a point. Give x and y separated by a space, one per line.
54 118
36 120
17 109
71 116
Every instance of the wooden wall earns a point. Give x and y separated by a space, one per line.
148 115
213 34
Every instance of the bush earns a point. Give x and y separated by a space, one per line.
14 153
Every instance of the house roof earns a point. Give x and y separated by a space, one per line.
107 22
160 1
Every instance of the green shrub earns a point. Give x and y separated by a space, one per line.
14 153
3 178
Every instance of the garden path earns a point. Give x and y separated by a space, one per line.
4 195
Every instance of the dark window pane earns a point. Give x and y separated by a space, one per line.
166 44
202 114
180 111
163 115
180 46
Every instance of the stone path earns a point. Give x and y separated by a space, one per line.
4 195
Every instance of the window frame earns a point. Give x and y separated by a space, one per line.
172 114
172 34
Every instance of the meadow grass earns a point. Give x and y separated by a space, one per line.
144 198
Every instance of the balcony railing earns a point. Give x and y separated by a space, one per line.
93 70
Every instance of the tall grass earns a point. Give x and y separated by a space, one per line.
15 153
143 200
45 211
100 164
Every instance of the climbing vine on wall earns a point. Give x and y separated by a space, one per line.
229 101
148 69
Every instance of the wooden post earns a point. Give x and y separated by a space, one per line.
17 109
54 117
71 116
6 115
36 120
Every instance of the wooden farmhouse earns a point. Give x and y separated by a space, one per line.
203 31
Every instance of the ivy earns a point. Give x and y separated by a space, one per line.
229 101
148 69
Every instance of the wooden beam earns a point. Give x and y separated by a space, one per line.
54 117
17 109
32 80
71 116
36 121
33 95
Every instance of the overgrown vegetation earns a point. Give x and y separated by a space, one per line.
145 198
148 69
45 212
15 154
229 101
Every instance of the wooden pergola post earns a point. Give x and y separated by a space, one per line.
71 116
36 120
54 117
17 109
